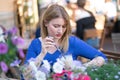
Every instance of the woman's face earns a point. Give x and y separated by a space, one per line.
56 28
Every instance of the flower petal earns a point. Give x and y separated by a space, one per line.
4 67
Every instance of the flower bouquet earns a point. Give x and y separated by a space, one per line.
9 49
68 69
64 69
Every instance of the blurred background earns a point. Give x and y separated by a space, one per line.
25 15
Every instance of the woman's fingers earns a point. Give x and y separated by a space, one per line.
26 70
48 42
49 39
49 45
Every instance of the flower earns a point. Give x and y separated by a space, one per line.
3 66
58 67
9 49
60 70
67 68
46 65
40 75
2 29
75 70
109 71
15 63
3 48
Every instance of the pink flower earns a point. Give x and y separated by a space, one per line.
57 76
21 53
3 48
4 67
83 77
15 63
13 31
18 41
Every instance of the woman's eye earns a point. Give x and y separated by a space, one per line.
63 26
56 26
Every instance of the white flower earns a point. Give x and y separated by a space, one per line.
39 75
58 67
32 64
119 72
76 64
116 77
96 79
67 60
1 35
46 64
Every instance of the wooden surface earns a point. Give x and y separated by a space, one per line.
6 6
89 33
112 54
116 41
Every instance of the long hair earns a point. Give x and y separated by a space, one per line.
55 11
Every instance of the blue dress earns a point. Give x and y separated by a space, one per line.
77 48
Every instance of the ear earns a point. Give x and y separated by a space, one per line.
46 23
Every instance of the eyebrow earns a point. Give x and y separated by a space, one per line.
58 25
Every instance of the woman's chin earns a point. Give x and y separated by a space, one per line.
57 38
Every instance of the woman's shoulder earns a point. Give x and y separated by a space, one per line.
74 38
36 41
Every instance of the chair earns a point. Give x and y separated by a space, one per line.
94 35
116 41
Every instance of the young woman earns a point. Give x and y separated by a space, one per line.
56 40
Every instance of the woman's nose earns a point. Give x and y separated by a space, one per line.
60 30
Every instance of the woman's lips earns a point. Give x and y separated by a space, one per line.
58 35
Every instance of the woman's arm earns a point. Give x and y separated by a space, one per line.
98 61
87 51
32 53
33 50
37 50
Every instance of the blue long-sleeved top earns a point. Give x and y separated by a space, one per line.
77 48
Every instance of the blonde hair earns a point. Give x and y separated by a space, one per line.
52 12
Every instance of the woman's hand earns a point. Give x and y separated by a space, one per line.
48 45
98 61
26 70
